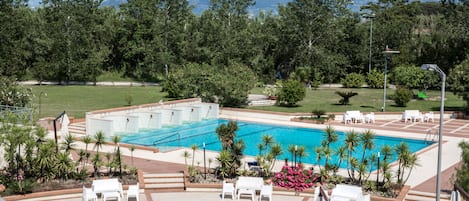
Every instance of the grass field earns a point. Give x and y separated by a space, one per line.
77 100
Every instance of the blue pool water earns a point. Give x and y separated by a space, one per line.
197 133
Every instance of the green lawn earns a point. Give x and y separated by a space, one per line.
76 100
367 100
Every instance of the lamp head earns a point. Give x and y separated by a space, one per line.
431 67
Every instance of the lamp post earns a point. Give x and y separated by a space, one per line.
370 16
434 67
120 159
387 52
377 172
205 167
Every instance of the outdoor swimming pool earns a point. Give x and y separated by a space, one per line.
204 132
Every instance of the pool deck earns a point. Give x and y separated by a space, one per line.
423 177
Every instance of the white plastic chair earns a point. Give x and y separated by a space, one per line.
367 197
347 118
228 188
88 194
266 191
317 191
370 118
133 192
428 117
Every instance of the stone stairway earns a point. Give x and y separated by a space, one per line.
77 128
424 196
164 182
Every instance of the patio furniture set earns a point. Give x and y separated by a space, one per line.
247 186
109 189
355 116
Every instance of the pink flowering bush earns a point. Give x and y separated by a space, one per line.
295 178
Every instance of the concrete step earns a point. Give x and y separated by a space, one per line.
171 185
413 195
164 182
163 175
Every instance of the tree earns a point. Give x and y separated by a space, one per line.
401 96
291 93
458 80
346 95
462 172
13 94
232 150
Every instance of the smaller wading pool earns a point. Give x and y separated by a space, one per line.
186 135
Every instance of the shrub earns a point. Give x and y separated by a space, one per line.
227 85
345 96
353 80
412 77
291 93
295 178
317 113
375 79
402 96
13 94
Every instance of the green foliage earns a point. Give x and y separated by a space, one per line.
232 150
227 85
401 96
375 79
353 80
318 113
458 80
13 94
346 95
291 93
413 77
462 173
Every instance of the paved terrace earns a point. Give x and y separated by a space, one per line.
423 178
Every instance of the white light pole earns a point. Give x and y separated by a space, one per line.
370 16
387 52
434 67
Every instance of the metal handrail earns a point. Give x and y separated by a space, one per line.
463 193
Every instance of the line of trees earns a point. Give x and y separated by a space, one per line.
78 40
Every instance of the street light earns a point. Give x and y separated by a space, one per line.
387 52
370 16
205 167
377 172
434 67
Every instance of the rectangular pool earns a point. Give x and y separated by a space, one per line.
186 135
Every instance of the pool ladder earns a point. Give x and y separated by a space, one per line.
430 136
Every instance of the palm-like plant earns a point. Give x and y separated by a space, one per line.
186 155
367 142
132 149
346 95
225 161
99 141
68 144
194 147
64 165
301 152
351 141
87 140
292 150
275 152
402 151
227 133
